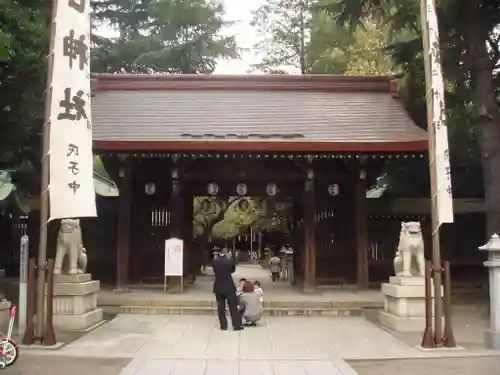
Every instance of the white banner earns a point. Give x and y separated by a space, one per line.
174 257
438 133
71 185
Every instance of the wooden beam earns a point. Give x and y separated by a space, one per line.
309 234
123 241
361 223
259 145
420 206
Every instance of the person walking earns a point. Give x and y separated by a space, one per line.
225 291
274 267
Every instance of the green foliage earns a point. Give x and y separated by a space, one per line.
403 19
169 36
368 54
302 34
327 48
23 50
226 219
284 27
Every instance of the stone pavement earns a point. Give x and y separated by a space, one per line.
442 366
194 345
277 338
47 364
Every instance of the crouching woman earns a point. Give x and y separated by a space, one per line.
250 307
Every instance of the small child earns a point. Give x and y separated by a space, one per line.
239 289
259 291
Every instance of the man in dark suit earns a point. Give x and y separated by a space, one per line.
225 290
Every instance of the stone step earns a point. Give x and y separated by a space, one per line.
209 310
178 303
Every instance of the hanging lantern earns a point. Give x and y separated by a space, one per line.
333 190
150 188
271 189
241 188
212 188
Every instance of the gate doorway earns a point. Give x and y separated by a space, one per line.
251 228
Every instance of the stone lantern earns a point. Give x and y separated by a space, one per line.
492 334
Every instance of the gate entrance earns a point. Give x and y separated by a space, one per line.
253 208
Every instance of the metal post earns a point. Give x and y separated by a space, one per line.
449 338
23 283
427 338
44 191
29 332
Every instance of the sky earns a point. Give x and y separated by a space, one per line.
240 11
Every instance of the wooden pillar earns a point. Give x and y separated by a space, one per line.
177 224
193 265
176 206
124 183
309 233
361 226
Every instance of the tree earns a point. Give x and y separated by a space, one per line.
166 36
470 56
23 46
368 54
284 27
329 42
218 218
334 49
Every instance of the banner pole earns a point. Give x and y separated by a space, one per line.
44 190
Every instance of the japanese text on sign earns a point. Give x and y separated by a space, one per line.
174 257
71 185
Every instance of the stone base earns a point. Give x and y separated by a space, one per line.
401 324
75 302
404 309
78 322
492 339
4 314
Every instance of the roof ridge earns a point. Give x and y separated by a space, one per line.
264 82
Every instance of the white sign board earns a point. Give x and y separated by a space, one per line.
174 257
438 131
71 185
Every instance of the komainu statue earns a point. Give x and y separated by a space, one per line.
71 257
409 260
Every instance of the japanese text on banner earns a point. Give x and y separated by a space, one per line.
71 185
438 132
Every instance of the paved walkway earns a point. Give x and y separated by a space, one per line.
201 291
194 345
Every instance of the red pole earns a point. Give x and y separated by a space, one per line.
428 336
449 338
50 336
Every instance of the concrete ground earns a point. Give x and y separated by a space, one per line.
45 365
291 345
194 345
442 366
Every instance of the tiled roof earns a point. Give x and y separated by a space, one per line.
310 114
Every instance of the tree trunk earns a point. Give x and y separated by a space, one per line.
486 108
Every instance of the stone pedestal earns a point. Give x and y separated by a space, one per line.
4 313
75 302
404 304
